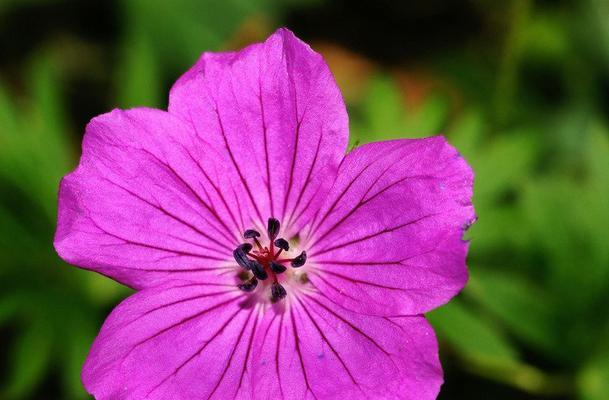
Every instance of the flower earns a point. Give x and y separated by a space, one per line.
267 263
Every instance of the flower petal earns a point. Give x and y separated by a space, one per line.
137 208
388 239
180 341
316 350
273 115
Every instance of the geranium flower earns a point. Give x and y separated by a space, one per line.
268 264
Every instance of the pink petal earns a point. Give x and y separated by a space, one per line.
317 350
199 341
273 116
137 208
186 341
388 239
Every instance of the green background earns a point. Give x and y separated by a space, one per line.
520 87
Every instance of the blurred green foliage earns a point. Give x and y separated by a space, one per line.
526 107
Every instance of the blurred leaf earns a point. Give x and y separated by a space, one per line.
525 309
503 164
8 307
35 149
593 380
466 133
383 114
82 333
383 109
139 82
182 29
554 208
474 338
53 305
31 355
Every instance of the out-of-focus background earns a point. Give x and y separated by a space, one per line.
520 87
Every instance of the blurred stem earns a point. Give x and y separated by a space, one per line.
524 377
507 79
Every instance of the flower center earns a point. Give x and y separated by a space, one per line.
265 262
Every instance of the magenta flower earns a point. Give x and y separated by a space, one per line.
268 264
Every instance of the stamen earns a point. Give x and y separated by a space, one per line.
282 244
273 228
277 268
249 286
277 292
241 258
266 261
300 260
251 233
246 247
258 270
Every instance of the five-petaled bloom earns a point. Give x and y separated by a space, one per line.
268 264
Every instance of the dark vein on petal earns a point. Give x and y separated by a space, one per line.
363 201
185 320
183 300
296 133
247 356
181 270
279 330
193 192
266 148
234 162
239 210
197 353
297 345
362 263
339 291
292 166
357 206
216 189
350 324
150 246
324 337
354 280
306 207
305 186
232 354
202 246
372 235
314 226
268 328
168 214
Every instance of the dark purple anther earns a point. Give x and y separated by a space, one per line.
277 292
273 228
249 286
282 244
241 258
246 247
300 260
258 270
277 268
251 233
